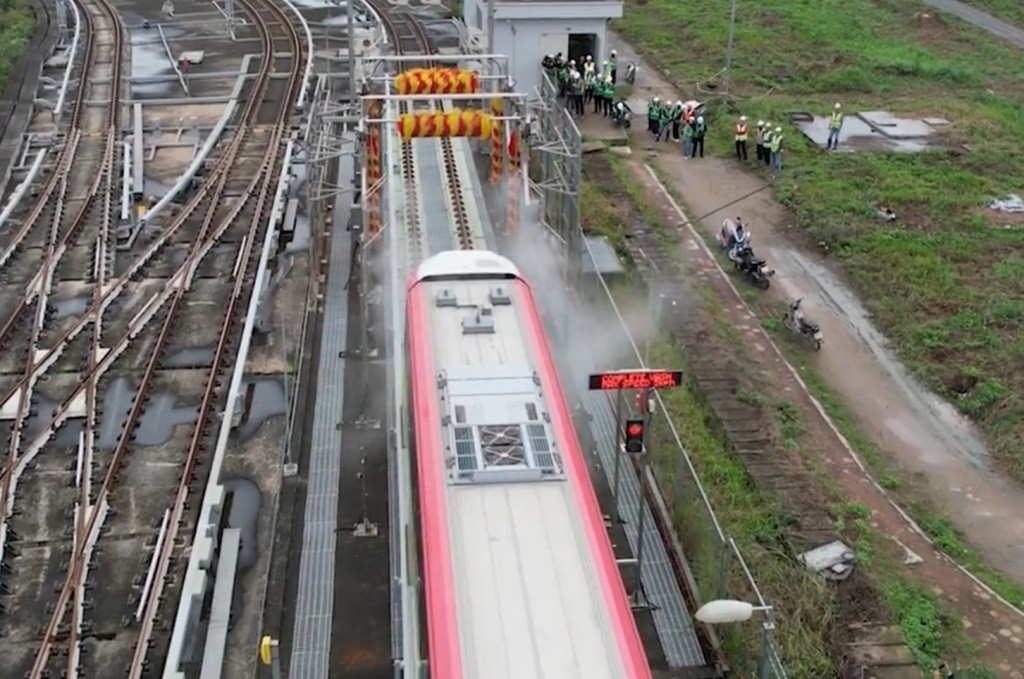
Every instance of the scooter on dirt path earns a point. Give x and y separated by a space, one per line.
801 326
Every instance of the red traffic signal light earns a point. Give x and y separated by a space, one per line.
634 435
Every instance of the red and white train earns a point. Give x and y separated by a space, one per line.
520 580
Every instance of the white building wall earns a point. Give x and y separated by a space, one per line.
526 31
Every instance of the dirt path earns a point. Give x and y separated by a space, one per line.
911 426
980 19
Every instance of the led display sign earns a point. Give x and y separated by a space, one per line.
637 379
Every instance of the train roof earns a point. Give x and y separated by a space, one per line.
463 264
521 580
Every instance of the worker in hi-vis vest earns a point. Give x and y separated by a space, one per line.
741 139
835 124
775 146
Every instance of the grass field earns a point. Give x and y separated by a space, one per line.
16 26
806 623
946 282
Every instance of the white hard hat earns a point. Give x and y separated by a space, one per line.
575 75
700 119
743 119
838 106
760 123
614 52
768 124
590 58
572 62
608 80
778 129
605 62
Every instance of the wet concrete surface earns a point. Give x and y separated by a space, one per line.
873 131
912 427
246 503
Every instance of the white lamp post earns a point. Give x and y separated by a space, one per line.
727 610
730 610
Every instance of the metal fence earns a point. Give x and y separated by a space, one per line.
717 566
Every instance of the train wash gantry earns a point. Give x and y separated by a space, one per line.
416 96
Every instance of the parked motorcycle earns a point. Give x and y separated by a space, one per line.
621 115
631 72
753 266
795 321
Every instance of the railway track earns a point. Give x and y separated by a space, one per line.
114 505
81 177
410 37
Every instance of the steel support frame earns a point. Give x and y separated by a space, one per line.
556 149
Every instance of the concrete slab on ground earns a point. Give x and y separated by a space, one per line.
874 131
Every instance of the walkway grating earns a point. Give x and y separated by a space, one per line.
311 649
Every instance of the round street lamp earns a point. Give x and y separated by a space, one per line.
727 610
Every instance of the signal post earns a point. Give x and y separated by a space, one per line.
630 435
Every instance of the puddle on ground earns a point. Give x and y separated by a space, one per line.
268 400
69 307
193 357
41 416
300 236
150 60
157 425
246 501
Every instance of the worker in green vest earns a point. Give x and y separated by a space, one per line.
768 133
613 64
607 95
677 117
700 130
835 124
665 122
653 116
776 149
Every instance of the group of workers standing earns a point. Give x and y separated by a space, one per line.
677 121
582 85
664 119
673 121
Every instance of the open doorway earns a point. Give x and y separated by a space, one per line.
582 44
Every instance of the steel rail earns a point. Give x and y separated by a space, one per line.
179 285
67 156
41 283
210 393
208 191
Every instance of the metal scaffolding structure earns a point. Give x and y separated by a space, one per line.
555 145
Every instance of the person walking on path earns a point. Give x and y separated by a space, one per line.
835 124
741 139
776 149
